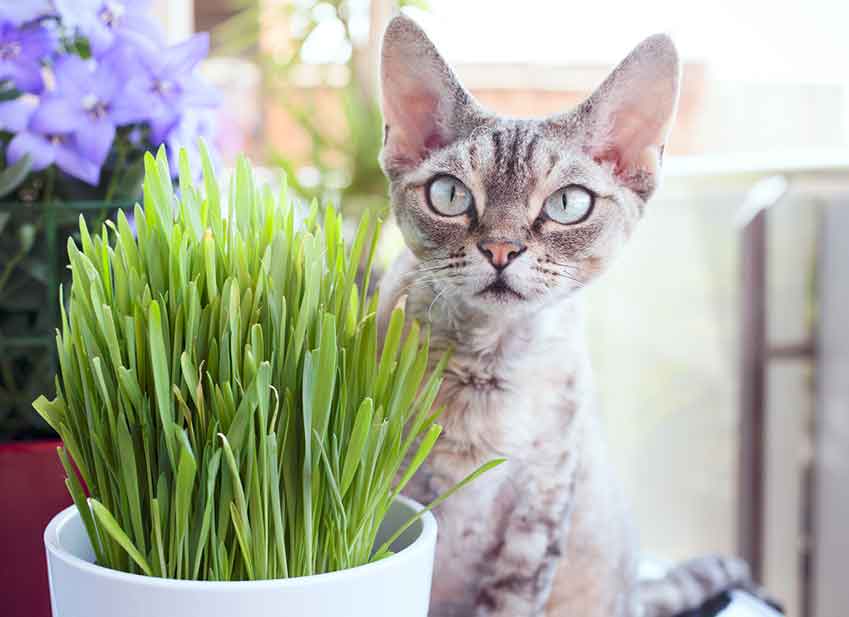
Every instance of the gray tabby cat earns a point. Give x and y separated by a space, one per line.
505 221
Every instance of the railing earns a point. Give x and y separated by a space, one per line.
767 180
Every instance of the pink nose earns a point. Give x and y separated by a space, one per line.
500 252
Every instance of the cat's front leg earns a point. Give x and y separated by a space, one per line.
520 568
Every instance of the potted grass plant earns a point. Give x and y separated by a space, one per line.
243 439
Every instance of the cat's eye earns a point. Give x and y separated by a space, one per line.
447 196
569 205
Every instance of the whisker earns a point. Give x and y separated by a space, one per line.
570 278
438 296
425 270
562 265
440 260
430 281
429 266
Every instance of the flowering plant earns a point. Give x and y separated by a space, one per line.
86 86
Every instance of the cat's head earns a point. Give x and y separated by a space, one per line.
504 213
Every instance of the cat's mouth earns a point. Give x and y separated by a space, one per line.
500 290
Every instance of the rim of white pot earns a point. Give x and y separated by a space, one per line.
422 542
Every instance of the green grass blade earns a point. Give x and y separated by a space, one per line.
383 550
108 522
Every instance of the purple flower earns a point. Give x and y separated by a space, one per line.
44 148
103 22
185 132
166 85
22 11
15 114
21 52
86 102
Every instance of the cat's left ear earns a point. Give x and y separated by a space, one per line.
424 106
627 120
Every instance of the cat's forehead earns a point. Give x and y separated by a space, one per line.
508 157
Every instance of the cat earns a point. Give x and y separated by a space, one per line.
506 220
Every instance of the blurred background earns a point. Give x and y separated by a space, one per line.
719 344
721 356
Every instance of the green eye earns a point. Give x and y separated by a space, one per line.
447 196
569 205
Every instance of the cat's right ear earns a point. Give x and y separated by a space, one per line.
627 120
424 106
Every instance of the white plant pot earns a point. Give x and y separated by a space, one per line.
398 586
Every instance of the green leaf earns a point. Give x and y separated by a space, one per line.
53 411
12 177
380 553
356 445
184 490
108 522
78 495
130 481
161 380
423 451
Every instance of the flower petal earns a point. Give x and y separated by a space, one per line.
77 13
71 161
100 37
128 110
15 114
105 84
57 114
20 12
26 75
197 92
74 76
182 58
95 140
41 151
36 42
136 25
161 127
124 60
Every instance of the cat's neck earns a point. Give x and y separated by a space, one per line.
468 330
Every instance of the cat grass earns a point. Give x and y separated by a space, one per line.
221 390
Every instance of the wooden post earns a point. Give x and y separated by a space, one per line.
752 393
830 593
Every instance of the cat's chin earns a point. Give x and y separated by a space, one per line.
500 293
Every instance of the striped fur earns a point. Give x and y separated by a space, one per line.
548 532
687 585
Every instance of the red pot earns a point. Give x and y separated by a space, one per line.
32 490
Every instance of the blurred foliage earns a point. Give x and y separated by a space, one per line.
31 268
342 165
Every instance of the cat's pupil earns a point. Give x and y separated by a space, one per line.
453 193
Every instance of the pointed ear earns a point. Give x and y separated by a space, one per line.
628 118
424 106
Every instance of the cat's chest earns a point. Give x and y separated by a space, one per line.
511 406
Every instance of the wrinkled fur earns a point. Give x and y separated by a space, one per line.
547 533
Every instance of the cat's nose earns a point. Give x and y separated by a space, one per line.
500 252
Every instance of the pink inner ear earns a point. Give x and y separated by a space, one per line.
434 141
415 128
627 140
